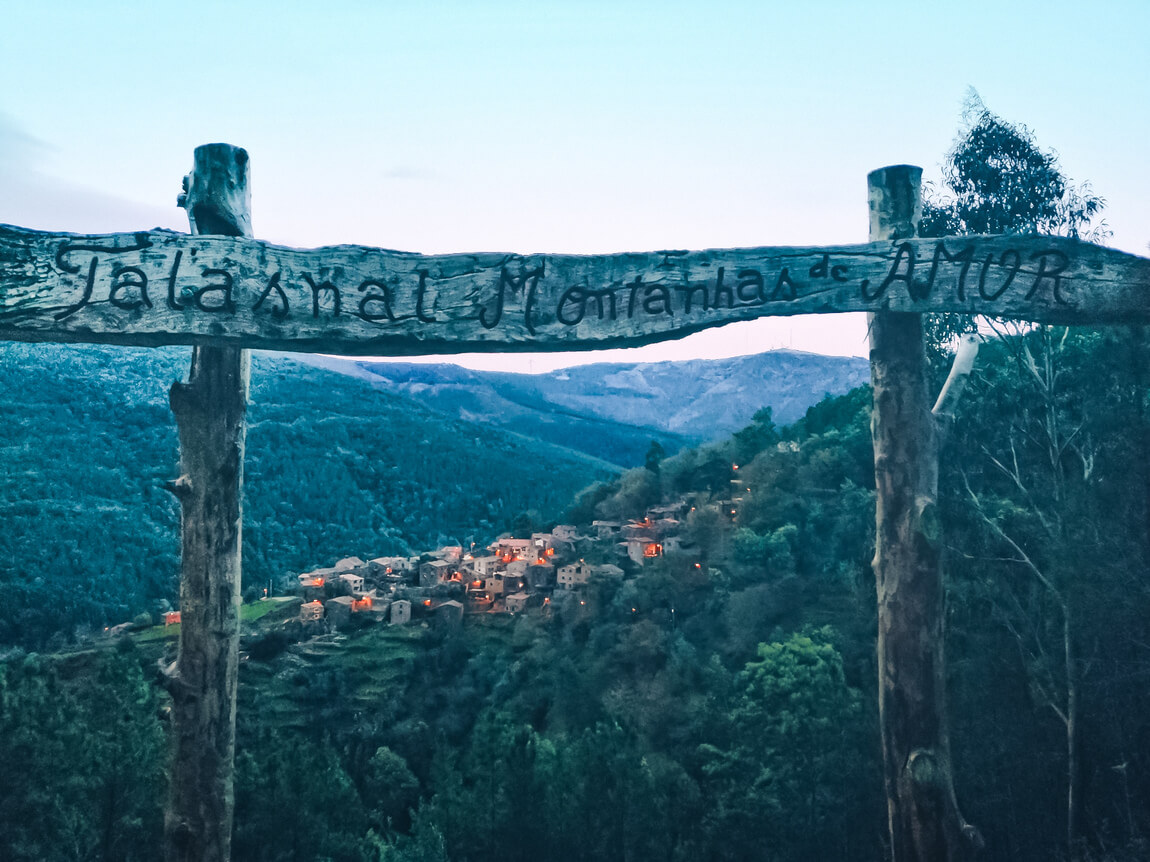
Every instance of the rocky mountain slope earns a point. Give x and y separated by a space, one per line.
675 402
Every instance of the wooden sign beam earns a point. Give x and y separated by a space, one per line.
160 287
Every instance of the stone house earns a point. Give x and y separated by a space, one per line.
316 578
448 553
383 566
643 548
606 529
484 566
513 582
434 572
516 603
373 604
352 583
400 612
637 529
544 545
509 549
449 613
670 510
574 575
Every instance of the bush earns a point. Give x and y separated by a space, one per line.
269 646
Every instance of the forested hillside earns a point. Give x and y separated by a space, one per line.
334 468
713 704
719 703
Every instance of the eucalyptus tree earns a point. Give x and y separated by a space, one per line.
1032 480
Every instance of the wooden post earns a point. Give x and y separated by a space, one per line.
209 411
925 824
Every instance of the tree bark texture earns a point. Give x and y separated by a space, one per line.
209 411
925 824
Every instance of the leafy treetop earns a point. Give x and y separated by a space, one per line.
997 180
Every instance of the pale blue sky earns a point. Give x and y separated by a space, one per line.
557 127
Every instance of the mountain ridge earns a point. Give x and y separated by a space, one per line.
678 402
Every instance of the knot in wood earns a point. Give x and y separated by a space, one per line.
924 768
180 487
928 521
184 398
973 837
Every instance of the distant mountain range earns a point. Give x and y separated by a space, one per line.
614 410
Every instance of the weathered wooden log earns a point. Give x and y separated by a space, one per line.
209 411
159 287
924 820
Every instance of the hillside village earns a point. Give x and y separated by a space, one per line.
512 575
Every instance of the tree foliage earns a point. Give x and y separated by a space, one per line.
1043 543
83 753
997 180
724 711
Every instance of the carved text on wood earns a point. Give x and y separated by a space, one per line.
161 287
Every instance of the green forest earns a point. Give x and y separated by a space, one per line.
713 704
334 467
